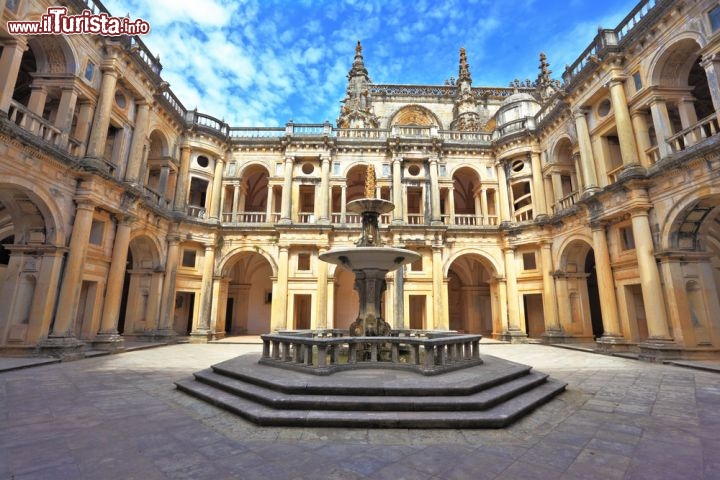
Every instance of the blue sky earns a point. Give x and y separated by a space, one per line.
262 63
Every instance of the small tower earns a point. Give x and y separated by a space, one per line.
545 85
466 104
357 111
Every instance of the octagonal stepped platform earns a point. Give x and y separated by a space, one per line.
491 395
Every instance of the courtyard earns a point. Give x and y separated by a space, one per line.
120 417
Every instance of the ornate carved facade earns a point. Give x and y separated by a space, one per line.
581 210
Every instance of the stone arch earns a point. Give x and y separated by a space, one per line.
255 178
672 64
146 251
581 315
562 151
487 260
226 262
472 297
159 145
54 54
34 216
466 180
415 115
355 181
683 222
244 304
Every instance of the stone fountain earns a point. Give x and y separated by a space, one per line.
370 261
371 375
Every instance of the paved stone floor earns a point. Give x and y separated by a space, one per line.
119 417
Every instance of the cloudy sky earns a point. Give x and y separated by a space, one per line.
264 62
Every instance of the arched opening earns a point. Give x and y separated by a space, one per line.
470 306
247 303
466 196
142 288
593 295
580 314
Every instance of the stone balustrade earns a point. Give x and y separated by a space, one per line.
323 352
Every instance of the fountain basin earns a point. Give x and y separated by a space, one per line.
370 205
374 258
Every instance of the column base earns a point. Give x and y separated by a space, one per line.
284 221
66 348
613 343
513 336
589 192
557 336
108 341
634 170
436 223
398 222
659 349
201 336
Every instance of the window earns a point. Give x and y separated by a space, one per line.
89 70
714 16
303 262
203 161
417 265
308 168
188 258
603 108
529 261
96 232
414 170
517 166
638 81
627 240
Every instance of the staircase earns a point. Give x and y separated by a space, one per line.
491 395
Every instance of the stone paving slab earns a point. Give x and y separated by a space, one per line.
16 363
120 417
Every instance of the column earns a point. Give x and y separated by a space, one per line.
163 181
137 145
321 310
397 191
183 179
324 190
9 68
115 279
503 193
280 292
711 64
66 110
626 136
435 217
451 204
549 194
216 314
268 206
286 204
167 302
82 127
203 327
38 97
343 203
663 127
552 323
642 136
101 121
606 285
688 118
649 278
72 275
236 199
587 161
512 294
440 317
483 206
217 189
539 202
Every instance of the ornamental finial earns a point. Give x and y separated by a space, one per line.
370 182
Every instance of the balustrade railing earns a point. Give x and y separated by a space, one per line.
614 174
326 351
415 219
244 217
566 202
653 154
196 211
705 128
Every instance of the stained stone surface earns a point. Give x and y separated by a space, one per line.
120 417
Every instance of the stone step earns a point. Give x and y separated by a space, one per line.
280 400
371 382
498 416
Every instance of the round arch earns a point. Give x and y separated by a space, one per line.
27 198
492 264
576 247
252 165
159 144
683 220
146 251
227 261
671 65
245 301
561 150
415 115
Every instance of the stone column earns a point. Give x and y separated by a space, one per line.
451 204
280 292
343 203
483 207
183 179
322 293
440 317
137 145
167 302
435 217
324 199
514 330
397 191
206 289
268 206
552 322
72 275
688 118
113 290
539 201
503 193
549 195
66 110
606 286
36 103
217 311
649 278
587 161
626 135
286 205
236 199
217 189
163 181
9 68
663 127
711 64
101 121
642 136
82 128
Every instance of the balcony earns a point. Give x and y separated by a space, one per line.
249 217
566 202
705 128
38 126
196 211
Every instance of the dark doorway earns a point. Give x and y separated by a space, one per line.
124 297
229 314
593 295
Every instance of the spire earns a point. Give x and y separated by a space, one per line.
464 70
358 67
544 84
